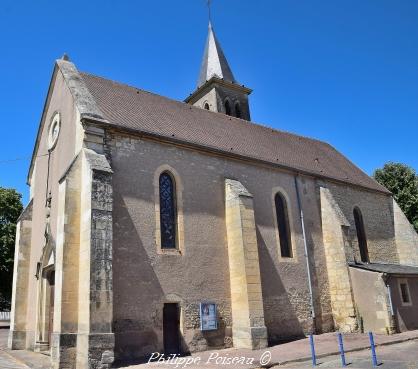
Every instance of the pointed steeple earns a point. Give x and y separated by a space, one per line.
214 63
217 89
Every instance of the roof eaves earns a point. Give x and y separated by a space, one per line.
213 80
206 148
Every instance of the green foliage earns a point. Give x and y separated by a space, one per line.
10 209
402 181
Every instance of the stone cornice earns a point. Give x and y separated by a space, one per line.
212 83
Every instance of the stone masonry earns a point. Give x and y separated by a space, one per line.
17 337
248 327
405 237
333 225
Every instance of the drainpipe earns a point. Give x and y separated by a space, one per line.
385 278
308 264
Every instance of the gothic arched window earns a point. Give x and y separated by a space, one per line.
227 108
206 106
283 226
237 110
361 235
168 211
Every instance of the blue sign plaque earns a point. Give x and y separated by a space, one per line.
208 316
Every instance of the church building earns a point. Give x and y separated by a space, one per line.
156 225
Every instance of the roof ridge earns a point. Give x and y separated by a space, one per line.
240 120
165 116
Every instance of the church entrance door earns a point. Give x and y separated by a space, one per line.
51 280
171 329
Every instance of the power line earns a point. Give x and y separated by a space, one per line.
21 158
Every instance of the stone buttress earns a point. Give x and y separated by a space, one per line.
18 316
333 224
248 327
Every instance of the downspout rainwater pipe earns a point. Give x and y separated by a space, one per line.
389 294
308 264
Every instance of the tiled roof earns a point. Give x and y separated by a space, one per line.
130 108
386 268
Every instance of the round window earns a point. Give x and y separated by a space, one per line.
54 130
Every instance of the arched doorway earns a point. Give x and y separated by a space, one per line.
46 297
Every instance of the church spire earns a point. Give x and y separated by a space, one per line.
217 89
214 63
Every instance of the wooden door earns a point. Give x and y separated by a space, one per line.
51 280
171 329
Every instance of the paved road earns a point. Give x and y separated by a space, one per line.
398 356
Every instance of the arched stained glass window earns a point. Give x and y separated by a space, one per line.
283 226
237 110
168 212
227 108
361 235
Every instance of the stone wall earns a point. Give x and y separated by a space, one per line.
18 322
334 227
405 314
377 212
215 95
58 99
144 278
372 302
95 341
248 329
67 265
406 237
202 267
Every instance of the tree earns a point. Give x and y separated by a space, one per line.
402 181
10 209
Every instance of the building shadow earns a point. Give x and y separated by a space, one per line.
136 292
280 315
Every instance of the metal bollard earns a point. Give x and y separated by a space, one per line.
372 346
311 341
341 346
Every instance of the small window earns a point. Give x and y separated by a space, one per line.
168 211
227 108
361 235
206 106
404 291
283 226
237 110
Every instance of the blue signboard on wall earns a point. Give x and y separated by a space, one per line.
208 316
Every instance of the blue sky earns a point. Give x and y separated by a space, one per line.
344 71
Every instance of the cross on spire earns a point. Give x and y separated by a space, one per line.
209 13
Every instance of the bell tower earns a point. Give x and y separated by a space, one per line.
217 89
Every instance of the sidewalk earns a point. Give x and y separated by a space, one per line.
326 345
20 359
296 351
292 352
